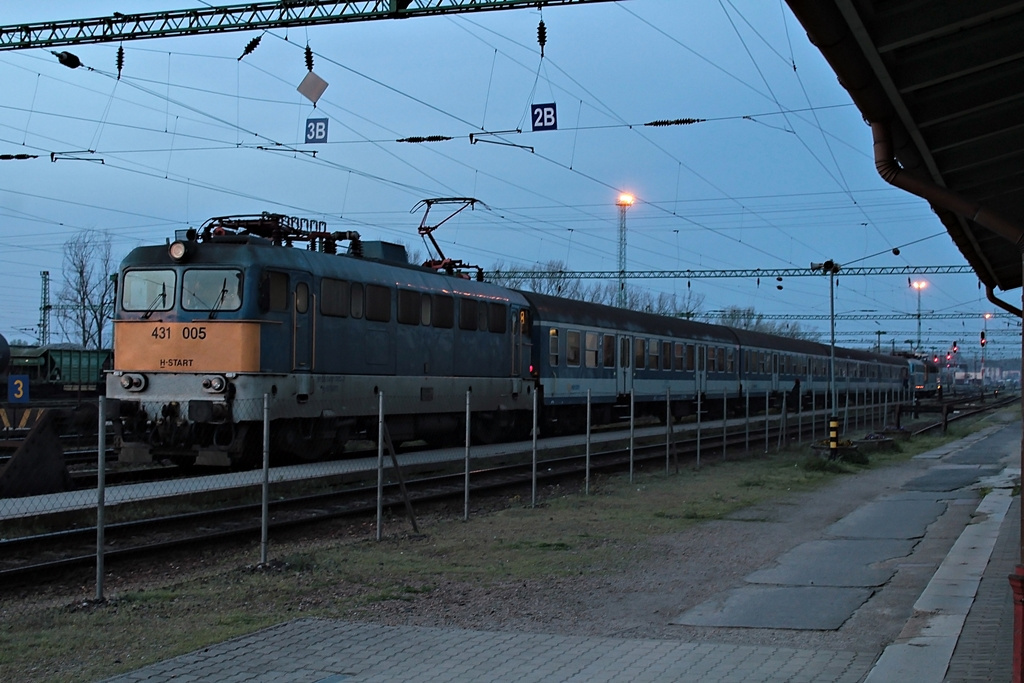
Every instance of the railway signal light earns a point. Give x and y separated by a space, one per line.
983 341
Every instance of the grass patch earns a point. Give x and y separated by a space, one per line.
56 634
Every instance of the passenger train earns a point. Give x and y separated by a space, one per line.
208 324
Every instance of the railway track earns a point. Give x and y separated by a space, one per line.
28 558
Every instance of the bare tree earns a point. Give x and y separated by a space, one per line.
746 318
85 302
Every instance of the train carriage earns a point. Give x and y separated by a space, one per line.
209 324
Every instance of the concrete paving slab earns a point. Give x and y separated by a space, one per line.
896 518
808 608
840 562
951 478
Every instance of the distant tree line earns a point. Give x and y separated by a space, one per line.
553 278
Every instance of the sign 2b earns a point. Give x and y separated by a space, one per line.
544 116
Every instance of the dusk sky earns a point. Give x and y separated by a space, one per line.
779 173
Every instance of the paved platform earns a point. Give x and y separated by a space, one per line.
960 631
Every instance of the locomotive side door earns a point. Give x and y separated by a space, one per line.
624 368
303 323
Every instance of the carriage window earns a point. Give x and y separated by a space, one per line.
572 348
211 290
690 363
148 290
730 361
591 357
444 312
639 353
425 309
711 360
410 307
356 300
378 303
680 359
301 297
334 297
666 355
609 351
467 314
721 360
553 347
652 354
496 318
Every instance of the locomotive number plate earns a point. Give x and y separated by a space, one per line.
209 346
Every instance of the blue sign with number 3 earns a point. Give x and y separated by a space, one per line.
17 388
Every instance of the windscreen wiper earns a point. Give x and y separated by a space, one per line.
159 299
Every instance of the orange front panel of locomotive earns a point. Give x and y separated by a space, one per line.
208 346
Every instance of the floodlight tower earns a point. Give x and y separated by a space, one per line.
919 285
625 201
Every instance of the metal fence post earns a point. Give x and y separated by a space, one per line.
465 506
698 424
586 476
533 495
725 419
668 424
101 474
632 431
265 516
767 413
746 430
380 465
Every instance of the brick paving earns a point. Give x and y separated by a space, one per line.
984 650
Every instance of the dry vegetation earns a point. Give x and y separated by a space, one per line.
511 566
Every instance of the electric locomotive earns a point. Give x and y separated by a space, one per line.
208 325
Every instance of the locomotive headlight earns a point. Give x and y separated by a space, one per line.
179 249
215 384
133 381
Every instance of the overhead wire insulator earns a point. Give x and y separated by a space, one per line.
674 122
68 59
309 59
253 44
542 36
120 60
425 138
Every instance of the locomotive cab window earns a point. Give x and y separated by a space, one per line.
211 290
148 290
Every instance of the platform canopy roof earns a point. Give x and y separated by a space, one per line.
947 76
